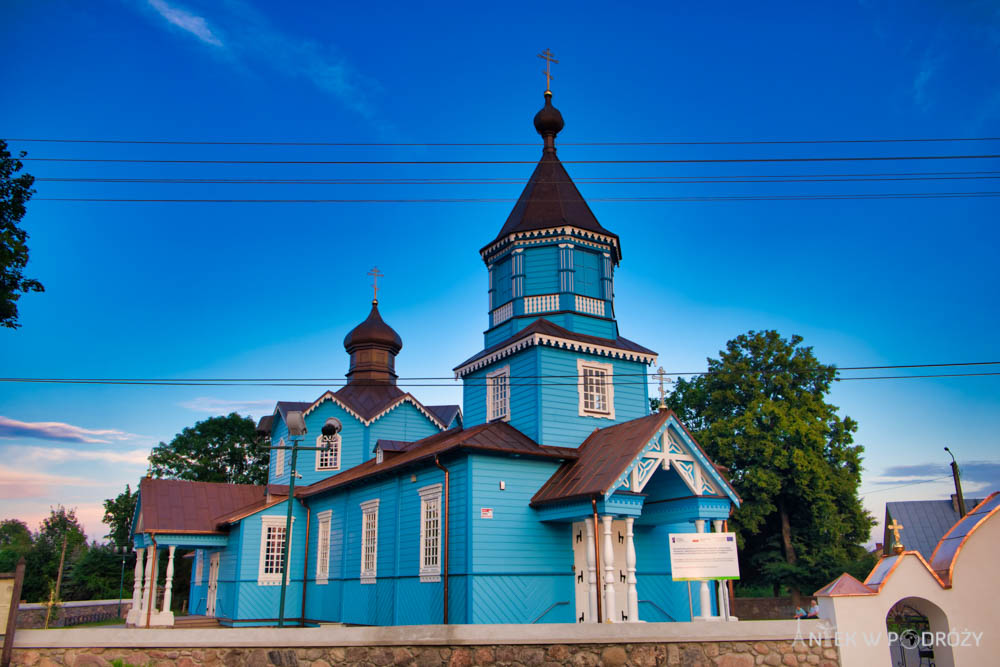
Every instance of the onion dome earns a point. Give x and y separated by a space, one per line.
549 122
373 346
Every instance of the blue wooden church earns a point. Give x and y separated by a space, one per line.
536 502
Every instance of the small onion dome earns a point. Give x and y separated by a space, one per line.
548 121
373 332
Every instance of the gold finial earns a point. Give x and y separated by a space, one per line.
663 392
546 55
374 273
895 527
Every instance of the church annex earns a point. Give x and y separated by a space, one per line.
533 503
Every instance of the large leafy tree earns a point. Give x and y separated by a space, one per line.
761 410
218 449
15 191
42 561
118 512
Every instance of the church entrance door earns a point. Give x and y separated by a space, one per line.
213 584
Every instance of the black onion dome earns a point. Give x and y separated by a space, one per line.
548 121
373 332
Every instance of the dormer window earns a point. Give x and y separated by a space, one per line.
596 389
328 457
498 395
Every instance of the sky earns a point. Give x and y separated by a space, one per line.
268 290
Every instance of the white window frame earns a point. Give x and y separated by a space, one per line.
279 460
491 407
334 446
369 540
199 566
323 520
272 578
609 388
430 497
379 456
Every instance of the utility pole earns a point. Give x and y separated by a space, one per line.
958 484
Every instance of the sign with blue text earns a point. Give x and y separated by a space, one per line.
698 556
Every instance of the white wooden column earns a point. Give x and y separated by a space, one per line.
144 600
133 613
591 571
631 595
724 608
704 594
168 587
610 609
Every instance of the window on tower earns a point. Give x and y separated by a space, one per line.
328 457
498 395
596 389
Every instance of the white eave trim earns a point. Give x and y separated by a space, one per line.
329 396
554 341
547 234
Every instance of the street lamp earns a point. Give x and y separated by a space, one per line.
296 430
958 484
123 550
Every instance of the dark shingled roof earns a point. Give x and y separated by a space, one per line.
603 457
924 523
264 425
499 437
284 407
551 199
446 413
369 398
544 326
180 506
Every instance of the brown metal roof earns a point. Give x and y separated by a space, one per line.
180 506
498 437
265 423
369 398
446 413
545 327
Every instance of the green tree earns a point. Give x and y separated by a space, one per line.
15 191
42 561
96 574
761 410
15 541
218 449
118 512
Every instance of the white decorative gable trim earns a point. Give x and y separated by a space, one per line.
547 235
554 341
405 398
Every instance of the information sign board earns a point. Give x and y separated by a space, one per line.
697 556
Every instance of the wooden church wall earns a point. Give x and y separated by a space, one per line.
524 393
521 567
541 270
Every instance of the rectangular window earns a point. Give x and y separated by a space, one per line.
430 533
596 389
272 550
323 547
328 457
369 541
279 459
498 395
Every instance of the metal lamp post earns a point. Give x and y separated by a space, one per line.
296 430
121 581
958 484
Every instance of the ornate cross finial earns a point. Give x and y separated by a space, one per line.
663 392
374 273
546 55
895 527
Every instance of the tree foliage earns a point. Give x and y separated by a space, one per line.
15 191
218 449
118 512
761 411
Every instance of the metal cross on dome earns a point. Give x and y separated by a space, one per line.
375 274
547 56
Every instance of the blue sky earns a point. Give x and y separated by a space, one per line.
176 290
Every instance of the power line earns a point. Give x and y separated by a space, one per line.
900 486
430 144
508 200
513 162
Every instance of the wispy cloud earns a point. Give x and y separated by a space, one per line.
59 431
18 484
981 473
223 406
196 25
136 457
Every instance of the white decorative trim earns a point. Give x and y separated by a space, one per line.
502 314
534 235
369 508
405 398
609 387
334 446
541 303
430 497
491 380
591 306
279 460
272 578
554 341
323 564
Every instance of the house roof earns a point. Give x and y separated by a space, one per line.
446 413
284 407
924 522
845 584
603 457
369 399
265 424
942 561
545 327
180 506
498 437
549 200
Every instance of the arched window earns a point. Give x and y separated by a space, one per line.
328 457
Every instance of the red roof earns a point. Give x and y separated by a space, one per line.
180 506
845 584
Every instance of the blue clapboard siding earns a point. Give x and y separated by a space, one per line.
541 270
562 424
523 392
520 566
587 272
